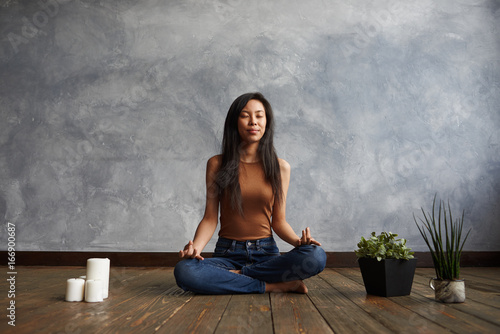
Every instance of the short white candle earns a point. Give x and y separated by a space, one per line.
75 289
98 269
93 291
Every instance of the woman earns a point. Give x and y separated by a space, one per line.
249 184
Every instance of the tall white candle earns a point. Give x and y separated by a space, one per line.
93 291
98 269
75 289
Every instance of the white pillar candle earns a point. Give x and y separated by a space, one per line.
99 269
93 291
75 289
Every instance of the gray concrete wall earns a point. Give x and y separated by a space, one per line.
110 109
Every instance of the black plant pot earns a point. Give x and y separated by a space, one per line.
388 277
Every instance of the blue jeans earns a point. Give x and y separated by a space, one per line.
259 262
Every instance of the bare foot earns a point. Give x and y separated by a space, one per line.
293 286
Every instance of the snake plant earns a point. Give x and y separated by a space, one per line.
444 239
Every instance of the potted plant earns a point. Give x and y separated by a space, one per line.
387 265
444 239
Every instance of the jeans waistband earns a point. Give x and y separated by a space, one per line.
224 242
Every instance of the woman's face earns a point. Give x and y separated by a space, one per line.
252 122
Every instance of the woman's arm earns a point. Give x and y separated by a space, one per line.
279 223
208 224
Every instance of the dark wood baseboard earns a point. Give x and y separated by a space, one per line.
157 259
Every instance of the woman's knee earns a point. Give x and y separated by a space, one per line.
184 273
320 256
314 260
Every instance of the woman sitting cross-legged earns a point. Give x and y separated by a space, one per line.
249 183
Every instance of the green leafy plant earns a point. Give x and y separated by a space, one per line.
436 229
384 246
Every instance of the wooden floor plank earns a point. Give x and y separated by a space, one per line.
338 310
247 314
422 302
295 313
200 315
470 307
488 273
480 303
92 317
482 297
388 313
42 298
151 308
473 280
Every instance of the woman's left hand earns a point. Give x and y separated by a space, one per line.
307 239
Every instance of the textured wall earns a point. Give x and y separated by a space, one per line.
110 109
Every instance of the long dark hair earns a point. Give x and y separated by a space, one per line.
228 176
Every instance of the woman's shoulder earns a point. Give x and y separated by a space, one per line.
214 162
284 166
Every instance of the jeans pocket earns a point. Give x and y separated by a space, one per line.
220 251
270 249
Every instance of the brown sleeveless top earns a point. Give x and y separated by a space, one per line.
257 199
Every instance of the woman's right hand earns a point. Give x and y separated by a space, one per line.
189 252
307 239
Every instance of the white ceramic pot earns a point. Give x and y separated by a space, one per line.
448 291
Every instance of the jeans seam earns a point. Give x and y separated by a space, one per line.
229 271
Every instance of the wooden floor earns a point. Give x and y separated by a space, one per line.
146 300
